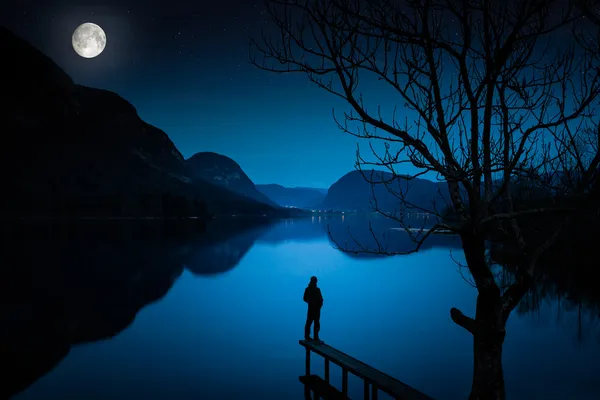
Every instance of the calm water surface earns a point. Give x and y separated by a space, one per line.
220 318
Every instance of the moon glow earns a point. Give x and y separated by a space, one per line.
88 40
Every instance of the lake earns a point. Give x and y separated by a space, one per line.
170 313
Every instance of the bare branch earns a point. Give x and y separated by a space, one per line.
487 96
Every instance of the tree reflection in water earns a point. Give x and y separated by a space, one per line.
566 286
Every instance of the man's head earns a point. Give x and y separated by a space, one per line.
313 280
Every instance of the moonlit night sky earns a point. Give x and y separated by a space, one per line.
185 67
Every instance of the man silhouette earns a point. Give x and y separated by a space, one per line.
314 298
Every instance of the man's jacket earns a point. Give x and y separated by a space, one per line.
313 296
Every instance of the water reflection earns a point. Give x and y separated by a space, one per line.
547 302
66 284
223 245
565 287
360 233
300 230
62 285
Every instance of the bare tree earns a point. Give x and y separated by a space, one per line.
491 94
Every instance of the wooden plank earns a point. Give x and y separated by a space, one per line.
384 382
323 389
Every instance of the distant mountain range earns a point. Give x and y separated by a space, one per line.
299 197
71 150
353 193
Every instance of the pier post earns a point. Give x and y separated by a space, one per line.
326 370
373 391
345 381
366 389
307 361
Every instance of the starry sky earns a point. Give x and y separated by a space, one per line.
185 66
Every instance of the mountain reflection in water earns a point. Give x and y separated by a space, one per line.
66 284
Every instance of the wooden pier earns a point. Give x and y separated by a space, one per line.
374 380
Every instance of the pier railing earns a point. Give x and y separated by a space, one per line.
374 380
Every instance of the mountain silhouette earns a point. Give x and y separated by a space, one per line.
224 172
353 193
78 151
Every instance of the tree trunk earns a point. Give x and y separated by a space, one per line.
488 338
488 375
488 326
488 330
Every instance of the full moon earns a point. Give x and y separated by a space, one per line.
89 40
